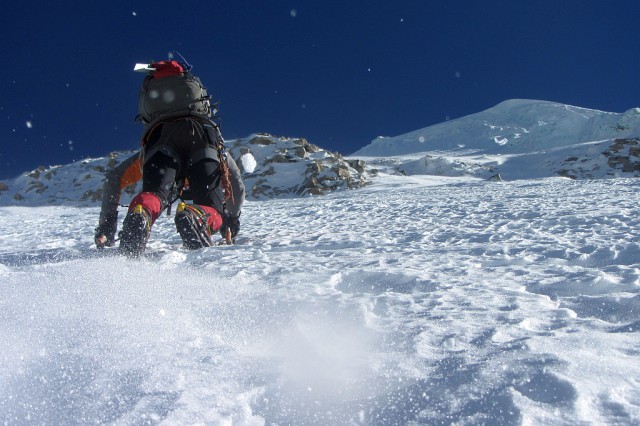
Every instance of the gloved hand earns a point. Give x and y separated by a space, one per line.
230 224
103 240
105 233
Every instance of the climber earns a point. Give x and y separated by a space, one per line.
182 153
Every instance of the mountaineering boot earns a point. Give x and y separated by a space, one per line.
191 223
135 232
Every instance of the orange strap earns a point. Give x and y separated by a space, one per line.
132 175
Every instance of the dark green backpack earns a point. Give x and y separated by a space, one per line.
170 90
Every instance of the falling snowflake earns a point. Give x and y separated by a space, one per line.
248 162
293 13
29 124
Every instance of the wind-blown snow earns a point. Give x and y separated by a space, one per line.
463 302
248 163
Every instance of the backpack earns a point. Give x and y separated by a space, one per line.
170 90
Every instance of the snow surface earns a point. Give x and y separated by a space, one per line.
431 296
515 126
517 139
414 300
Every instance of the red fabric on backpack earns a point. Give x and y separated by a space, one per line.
166 69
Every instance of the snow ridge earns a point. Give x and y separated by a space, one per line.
272 168
517 139
514 126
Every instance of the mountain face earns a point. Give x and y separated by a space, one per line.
588 160
515 126
517 139
272 168
279 167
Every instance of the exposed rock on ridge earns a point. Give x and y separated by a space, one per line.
282 167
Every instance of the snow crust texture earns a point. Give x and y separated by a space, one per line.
405 302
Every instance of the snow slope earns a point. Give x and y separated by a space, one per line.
409 301
428 296
517 139
513 126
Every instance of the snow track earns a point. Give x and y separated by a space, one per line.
465 303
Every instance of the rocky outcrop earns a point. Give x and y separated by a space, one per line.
624 155
272 167
79 183
621 157
293 167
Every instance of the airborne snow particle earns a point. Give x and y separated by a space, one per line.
134 13
421 139
293 13
248 162
168 96
458 74
29 125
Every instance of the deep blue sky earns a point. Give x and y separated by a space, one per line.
337 72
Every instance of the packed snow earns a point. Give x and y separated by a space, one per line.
465 283
414 300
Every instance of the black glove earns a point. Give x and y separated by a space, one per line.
105 233
232 224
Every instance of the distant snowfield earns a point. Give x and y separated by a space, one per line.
412 300
517 139
513 126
